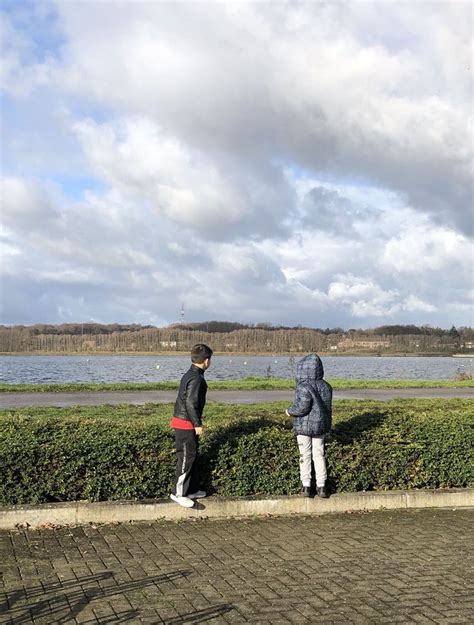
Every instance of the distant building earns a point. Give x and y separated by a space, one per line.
367 344
168 343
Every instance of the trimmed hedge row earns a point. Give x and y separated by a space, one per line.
78 454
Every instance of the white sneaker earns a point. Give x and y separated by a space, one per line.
199 494
186 502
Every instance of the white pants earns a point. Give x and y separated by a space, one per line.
312 446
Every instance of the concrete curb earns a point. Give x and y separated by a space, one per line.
81 513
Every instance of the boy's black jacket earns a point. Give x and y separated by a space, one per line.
191 396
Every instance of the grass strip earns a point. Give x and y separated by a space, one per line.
243 384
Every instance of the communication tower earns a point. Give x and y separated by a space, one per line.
181 314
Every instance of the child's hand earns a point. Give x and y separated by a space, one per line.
199 430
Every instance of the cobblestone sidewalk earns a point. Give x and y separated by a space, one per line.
379 567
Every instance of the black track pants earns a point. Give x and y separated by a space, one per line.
186 481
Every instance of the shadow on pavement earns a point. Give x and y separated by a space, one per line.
66 600
200 616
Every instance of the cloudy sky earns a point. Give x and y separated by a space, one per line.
285 162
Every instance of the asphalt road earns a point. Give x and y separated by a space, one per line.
18 400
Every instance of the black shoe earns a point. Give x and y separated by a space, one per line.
306 491
321 492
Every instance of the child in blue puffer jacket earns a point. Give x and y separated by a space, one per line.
312 419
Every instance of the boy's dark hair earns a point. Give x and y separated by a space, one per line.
200 352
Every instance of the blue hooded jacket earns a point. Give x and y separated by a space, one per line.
312 408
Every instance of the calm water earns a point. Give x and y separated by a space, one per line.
55 369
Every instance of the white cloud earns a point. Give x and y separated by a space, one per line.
414 304
299 163
18 74
426 248
266 81
366 298
9 257
25 203
137 158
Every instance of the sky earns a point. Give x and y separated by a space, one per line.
289 162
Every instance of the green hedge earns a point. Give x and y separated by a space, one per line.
126 452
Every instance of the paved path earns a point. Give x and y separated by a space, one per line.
13 400
383 567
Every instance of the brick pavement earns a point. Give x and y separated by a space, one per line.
382 567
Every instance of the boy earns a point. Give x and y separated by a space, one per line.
187 424
312 417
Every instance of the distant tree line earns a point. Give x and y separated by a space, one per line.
226 336
81 328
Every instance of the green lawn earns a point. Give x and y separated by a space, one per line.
248 384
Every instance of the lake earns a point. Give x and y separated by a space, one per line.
58 369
